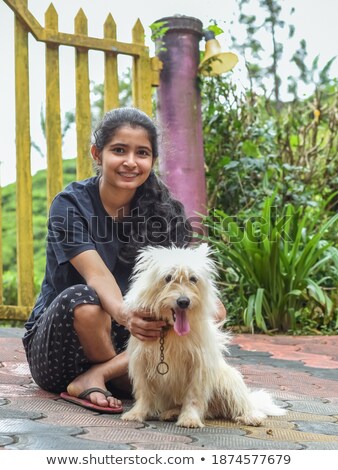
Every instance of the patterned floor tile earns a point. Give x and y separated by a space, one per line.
60 442
5 440
130 436
290 435
314 406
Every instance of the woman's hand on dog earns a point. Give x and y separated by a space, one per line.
143 326
221 313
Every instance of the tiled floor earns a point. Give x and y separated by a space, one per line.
301 372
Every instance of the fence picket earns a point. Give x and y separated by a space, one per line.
141 84
53 118
83 116
23 169
111 82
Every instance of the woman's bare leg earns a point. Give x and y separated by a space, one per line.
93 327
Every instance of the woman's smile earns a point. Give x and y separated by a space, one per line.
128 175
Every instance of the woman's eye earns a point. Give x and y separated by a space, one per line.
193 279
118 150
143 153
168 278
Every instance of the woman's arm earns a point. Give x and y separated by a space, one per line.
96 274
221 313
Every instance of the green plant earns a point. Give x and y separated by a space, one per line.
158 30
277 258
251 149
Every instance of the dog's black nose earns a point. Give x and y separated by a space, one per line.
183 302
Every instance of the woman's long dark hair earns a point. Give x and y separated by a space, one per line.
156 217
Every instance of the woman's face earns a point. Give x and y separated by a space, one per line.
126 160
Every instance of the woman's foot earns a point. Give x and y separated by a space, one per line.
93 378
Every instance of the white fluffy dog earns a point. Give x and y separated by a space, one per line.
185 375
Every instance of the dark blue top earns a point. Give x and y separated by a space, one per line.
79 222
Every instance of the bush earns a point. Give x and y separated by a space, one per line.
253 148
280 263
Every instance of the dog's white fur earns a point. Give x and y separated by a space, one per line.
199 384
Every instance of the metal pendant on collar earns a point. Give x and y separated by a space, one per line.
162 367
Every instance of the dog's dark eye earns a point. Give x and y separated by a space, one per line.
193 279
168 278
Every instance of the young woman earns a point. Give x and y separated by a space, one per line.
77 332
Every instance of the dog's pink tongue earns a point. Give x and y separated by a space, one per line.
181 325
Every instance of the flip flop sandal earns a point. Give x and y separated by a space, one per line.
81 401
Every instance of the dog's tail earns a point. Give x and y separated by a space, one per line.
263 402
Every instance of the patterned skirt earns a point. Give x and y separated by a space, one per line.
54 353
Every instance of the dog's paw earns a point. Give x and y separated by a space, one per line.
133 415
189 422
254 419
170 415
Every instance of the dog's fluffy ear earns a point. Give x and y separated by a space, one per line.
205 253
203 250
144 259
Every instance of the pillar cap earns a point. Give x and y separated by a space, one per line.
183 23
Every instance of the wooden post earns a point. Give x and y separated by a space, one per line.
53 119
23 169
83 116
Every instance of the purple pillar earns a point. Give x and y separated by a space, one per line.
181 161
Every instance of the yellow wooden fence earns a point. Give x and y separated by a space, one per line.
145 75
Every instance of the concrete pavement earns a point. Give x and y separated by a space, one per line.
301 372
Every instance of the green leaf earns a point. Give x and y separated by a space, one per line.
295 292
315 63
318 294
258 309
250 149
294 140
231 165
324 73
248 312
215 29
